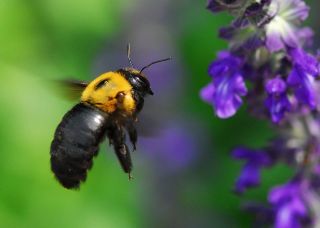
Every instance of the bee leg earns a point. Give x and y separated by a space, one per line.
117 135
133 135
123 154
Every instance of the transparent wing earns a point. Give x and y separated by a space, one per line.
69 88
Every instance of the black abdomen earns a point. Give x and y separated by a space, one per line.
76 142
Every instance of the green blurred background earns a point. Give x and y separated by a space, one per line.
45 40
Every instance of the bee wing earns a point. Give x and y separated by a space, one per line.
149 125
69 88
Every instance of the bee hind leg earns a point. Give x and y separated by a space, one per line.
117 136
133 135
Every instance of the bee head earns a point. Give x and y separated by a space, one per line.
137 80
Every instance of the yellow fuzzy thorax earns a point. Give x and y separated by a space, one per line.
105 97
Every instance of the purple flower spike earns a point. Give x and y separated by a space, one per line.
302 77
277 101
267 49
250 175
282 30
225 92
289 205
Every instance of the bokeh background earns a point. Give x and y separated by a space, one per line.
183 172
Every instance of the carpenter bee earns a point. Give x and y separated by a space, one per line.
108 107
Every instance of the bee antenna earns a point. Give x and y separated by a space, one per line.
158 61
129 54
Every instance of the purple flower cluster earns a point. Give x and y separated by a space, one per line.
267 65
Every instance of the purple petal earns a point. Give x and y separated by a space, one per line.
298 206
304 86
227 108
306 35
276 85
305 61
277 101
227 33
274 41
289 36
249 177
214 6
277 105
218 68
252 43
207 93
227 98
282 193
239 85
290 208
281 30
250 174
241 22
258 157
285 219
298 10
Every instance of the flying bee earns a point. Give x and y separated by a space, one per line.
108 107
